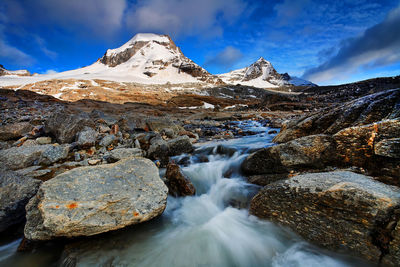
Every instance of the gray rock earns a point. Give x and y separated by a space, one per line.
54 153
107 140
90 200
43 140
179 145
14 130
338 210
15 192
64 126
122 153
388 148
315 151
22 157
87 138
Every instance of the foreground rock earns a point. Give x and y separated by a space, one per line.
177 183
14 130
25 156
91 200
15 192
338 210
315 151
362 111
65 126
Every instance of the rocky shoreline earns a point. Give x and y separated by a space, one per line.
85 168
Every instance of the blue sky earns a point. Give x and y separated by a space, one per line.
327 42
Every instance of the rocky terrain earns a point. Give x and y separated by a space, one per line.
105 161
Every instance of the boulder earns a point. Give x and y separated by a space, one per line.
159 150
315 151
361 111
87 138
64 126
122 153
15 192
24 156
179 145
372 147
338 210
388 148
14 130
90 200
177 183
54 153
107 140
158 125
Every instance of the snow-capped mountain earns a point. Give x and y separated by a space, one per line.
262 74
4 71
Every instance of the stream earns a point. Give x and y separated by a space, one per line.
212 228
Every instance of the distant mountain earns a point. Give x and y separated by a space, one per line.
262 74
4 71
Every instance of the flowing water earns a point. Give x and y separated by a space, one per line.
212 228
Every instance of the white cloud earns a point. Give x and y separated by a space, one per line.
43 47
100 17
15 55
190 17
50 71
226 58
378 46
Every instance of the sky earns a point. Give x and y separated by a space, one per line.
324 41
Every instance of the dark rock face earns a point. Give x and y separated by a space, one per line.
315 151
362 111
15 192
179 145
65 126
177 183
14 130
338 210
122 57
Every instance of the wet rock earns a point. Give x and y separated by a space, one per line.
361 111
122 153
15 192
24 156
159 150
14 130
177 183
54 153
91 200
179 145
388 148
65 126
87 138
338 210
266 179
315 151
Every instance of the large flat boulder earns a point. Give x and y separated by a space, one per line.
90 200
338 210
315 151
15 192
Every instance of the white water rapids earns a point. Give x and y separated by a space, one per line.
212 228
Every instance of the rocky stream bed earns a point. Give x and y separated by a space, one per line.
84 186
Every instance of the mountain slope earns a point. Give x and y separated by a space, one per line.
261 74
4 71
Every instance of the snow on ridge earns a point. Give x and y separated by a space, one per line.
140 37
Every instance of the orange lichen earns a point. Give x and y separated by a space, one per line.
136 214
57 206
72 205
110 147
